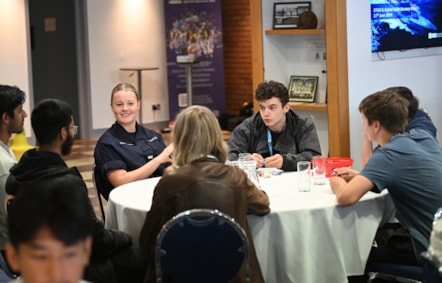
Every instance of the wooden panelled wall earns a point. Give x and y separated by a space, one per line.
237 53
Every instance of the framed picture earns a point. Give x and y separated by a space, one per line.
286 14
302 88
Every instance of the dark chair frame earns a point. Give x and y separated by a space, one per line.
396 270
432 267
99 195
197 243
429 270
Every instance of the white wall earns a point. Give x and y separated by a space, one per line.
14 56
422 74
126 34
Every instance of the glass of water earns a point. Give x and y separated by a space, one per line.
303 176
248 164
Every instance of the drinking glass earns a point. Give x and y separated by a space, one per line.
243 156
248 164
319 170
303 176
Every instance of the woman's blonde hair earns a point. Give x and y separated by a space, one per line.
196 134
124 87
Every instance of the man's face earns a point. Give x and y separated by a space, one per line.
16 125
45 259
273 113
368 129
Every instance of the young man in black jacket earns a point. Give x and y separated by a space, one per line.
113 258
276 136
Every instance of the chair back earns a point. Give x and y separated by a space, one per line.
201 245
98 185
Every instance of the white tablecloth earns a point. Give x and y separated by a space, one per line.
306 238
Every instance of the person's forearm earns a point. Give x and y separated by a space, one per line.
367 151
349 193
121 177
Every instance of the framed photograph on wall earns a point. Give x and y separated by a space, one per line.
302 88
286 14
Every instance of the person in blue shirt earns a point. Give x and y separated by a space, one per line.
418 118
407 164
127 151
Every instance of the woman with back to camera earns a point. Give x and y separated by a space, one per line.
201 179
127 151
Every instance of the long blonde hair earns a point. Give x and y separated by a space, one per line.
196 134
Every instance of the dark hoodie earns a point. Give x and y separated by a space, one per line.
38 165
423 121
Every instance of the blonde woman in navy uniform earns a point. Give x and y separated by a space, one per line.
127 151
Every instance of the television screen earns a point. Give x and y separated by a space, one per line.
405 24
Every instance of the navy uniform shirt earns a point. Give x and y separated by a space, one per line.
118 149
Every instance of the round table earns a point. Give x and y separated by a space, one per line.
305 238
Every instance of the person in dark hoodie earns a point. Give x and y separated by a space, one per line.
55 244
113 258
417 117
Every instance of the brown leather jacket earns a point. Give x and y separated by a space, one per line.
204 184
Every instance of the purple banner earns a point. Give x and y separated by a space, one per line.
194 27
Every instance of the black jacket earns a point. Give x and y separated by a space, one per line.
298 142
39 165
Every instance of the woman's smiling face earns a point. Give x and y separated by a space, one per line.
125 107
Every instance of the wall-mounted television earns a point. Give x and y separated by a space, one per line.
405 24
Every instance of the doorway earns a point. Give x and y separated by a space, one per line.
54 52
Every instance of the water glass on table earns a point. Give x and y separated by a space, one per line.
248 164
243 156
319 169
304 176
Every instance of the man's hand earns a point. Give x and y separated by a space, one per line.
347 173
259 159
274 161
